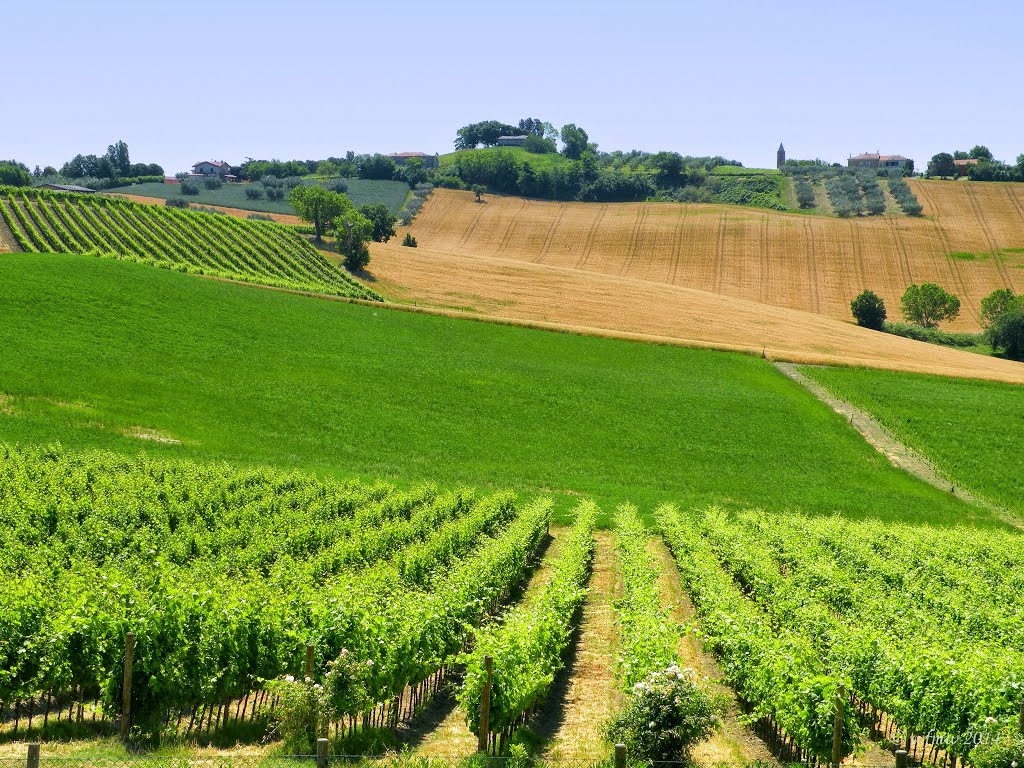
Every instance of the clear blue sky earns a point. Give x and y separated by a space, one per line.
183 81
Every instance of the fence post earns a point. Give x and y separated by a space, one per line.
33 755
837 733
321 753
620 756
126 690
309 661
901 758
1020 720
485 706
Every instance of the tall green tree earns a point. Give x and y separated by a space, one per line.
996 303
14 174
382 219
942 165
929 304
318 206
1007 333
117 155
869 310
981 152
354 231
575 141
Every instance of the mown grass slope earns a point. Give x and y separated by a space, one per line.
130 359
361 192
187 241
973 431
792 260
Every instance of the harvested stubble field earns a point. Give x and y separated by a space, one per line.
811 263
566 299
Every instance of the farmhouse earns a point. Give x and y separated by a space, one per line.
511 141
213 169
878 161
65 188
964 165
429 161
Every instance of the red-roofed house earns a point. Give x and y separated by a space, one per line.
964 166
211 169
878 161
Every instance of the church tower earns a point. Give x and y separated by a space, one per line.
780 156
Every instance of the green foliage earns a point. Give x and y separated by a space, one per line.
188 188
665 716
213 183
478 190
183 240
998 302
318 206
253 193
487 132
805 197
575 141
409 241
928 305
382 219
528 645
14 174
1007 332
868 310
177 202
970 341
353 231
538 145
377 166
1000 748
942 165
340 186
301 714
905 197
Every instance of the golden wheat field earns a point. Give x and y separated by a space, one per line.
811 263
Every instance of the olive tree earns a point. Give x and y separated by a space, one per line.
318 206
869 310
928 305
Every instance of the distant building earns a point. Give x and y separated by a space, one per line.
213 169
963 166
511 141
429 161
780 156
65 188
878 161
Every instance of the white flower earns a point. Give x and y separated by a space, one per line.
289 679
309 679
651 725
639 687
1013 764
369 662
318 687
990 721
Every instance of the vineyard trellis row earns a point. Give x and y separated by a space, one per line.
189 241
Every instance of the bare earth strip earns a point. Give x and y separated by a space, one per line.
881 440
7 241
587 695
734 743
579 301
808 262
449 736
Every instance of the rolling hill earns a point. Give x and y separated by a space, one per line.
970 240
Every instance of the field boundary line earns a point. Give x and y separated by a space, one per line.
898 453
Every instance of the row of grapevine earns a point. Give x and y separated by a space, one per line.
904 657
779 674
528 643
188 241
648 636
224 575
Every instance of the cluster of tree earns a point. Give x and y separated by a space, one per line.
334 213
115 165
14 174
487 133
926 305
987 168
905 197
844 194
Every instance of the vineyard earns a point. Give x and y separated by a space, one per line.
199 243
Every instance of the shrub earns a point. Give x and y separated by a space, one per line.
869 310
337 185
666 715
189 188
478 190
449 182
253 193
260 217
1004 749
302 712
176 202
934 335
213 183
275 193
1007 333
409 241
804 194
996 303
292 182
270 180
928 305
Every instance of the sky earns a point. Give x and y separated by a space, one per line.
186 81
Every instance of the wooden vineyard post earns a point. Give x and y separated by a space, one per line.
1020 719
321 753
485 706
837 733
33 755
309 661
126 690
901 758
620 756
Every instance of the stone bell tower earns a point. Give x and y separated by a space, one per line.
780 156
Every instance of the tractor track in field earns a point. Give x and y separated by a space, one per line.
898 453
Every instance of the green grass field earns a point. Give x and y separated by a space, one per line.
260 377
538 161
737 170
972 430
361 192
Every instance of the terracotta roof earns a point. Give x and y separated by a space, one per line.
865 157
966 161
409 154
215 163
883 158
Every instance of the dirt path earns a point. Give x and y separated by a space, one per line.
586 694
733 743
901 455
7 241
441 730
